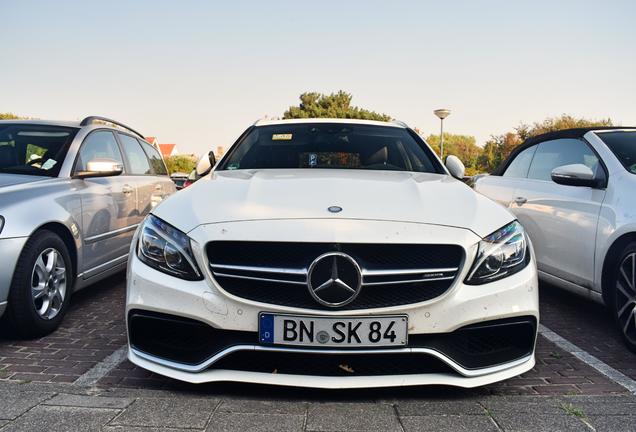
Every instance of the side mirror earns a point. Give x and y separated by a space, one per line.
101 168
455 167
205 164
574 175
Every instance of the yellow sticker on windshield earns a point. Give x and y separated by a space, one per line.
281 137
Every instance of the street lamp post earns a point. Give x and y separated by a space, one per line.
441 113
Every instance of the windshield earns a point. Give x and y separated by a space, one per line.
33 149
331 145
623 145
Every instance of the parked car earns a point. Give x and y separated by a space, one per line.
71 196
332 253
573 191
179 179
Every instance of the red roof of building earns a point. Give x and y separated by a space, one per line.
152 140
166 149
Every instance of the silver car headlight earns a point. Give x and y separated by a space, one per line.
500 254
165 248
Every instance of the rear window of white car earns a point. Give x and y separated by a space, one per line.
623 145
331 145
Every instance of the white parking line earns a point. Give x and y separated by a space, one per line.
101 369
587 358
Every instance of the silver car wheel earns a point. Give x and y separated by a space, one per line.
48 283
626 297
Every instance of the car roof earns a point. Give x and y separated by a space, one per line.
75 124
392 123
560 134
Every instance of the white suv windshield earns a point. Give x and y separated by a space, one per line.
623 145
331 145
33 149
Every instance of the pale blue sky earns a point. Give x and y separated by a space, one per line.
197 73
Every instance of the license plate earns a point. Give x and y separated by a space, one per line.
374 331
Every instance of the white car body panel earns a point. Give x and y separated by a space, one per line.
572 227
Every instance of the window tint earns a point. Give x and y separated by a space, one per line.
518 168
33 149
623 145
98 145
567 151
333 146
135 155
156 162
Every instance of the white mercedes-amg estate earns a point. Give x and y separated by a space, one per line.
332 253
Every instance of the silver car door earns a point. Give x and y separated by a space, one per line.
148 195
163 186
108 207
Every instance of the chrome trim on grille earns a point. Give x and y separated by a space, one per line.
439 274
206 364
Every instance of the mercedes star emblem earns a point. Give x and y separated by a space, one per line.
334 279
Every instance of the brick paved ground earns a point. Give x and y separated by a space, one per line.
588 325
93 329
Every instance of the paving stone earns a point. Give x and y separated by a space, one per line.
141 429
614 423
352 417
89 401
435 423
178 413
425 408
62 419
14 403
523 405
240 422
262 407
514 422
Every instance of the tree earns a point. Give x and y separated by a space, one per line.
9 116
462 146
180 163
335 105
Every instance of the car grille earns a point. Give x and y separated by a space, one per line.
392 274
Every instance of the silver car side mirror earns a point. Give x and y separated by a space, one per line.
205 164
101 168
455 167
574 175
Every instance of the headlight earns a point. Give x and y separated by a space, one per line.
167 249
500 254
1 224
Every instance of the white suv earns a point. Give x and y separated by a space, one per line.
332 253
574 191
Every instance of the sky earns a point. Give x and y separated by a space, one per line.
198 73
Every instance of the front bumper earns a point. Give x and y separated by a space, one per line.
10 249
461 306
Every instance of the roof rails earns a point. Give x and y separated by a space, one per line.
91 119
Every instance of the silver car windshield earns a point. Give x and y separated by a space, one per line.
33 149
331 145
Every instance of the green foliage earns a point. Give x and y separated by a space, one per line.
180 163
9 116
462 146
499 147
335 105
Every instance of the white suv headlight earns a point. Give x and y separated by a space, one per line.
500 254
165 248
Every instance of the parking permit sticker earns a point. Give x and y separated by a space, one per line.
313 159
50 163
281 137
233 166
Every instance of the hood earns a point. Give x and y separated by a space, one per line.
16 179
227 196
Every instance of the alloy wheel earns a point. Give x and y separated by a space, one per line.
48 283
626 297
